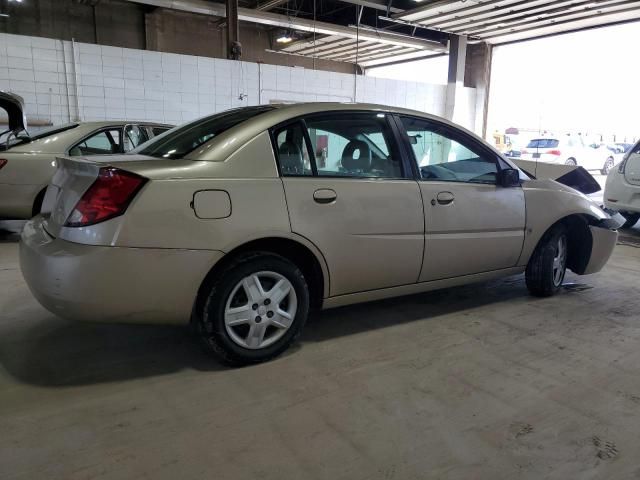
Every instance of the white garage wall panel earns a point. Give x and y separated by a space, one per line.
120 83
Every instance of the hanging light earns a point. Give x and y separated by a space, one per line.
284 37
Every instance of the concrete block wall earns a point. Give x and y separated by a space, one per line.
61 83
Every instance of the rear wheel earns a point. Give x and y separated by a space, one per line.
570 161
37 203
608 165
255 310
631 219
548 264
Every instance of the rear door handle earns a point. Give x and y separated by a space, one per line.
324 196
445 198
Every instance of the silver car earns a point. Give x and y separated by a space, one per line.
244 221
27 162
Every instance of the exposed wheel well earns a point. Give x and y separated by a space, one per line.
579 238
37 202
297 253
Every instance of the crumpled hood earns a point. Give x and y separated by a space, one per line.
571 175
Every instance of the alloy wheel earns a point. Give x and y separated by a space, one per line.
260 309
560 260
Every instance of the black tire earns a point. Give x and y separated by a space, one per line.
571 161
540 274
631 219
212 328
608 165
37 203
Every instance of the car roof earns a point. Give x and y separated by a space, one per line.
222 147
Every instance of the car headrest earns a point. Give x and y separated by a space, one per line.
291 161
356 156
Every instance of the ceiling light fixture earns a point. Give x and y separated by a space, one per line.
284 38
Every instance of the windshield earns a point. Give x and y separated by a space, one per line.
543 143
45 132
180 141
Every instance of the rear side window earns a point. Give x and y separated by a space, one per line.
293 154
543 143
134 135
181 141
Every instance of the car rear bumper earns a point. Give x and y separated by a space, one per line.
603 242
112 284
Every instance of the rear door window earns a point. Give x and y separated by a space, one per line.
104 142
350 144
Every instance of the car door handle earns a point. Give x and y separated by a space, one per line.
324 196
445 198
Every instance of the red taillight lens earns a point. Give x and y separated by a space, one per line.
3 162
108 197
554 152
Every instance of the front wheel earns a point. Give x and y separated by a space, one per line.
608 165
631 219
547 266
255 310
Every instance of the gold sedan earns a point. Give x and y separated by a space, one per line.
244 221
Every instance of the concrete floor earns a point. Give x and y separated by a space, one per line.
481 381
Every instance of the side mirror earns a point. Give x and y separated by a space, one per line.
509 177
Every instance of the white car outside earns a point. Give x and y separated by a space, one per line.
622 189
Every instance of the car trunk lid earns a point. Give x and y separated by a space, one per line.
14 106
72 179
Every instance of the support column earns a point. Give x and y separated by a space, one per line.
457 63
478 76
234 48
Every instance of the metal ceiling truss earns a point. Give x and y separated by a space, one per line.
491 19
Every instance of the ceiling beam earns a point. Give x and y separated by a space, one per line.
295 23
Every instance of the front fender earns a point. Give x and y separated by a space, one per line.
548 202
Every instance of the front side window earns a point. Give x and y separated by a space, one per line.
353 145
105 142
180 141
441 157
293 155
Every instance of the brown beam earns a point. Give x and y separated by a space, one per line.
234 49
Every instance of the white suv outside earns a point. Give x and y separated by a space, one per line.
571 150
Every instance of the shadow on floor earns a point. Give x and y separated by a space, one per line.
56 352
10 230
52 352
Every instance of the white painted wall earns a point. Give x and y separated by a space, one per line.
120 83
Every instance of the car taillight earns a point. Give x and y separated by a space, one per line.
108 197
3 162
554 152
